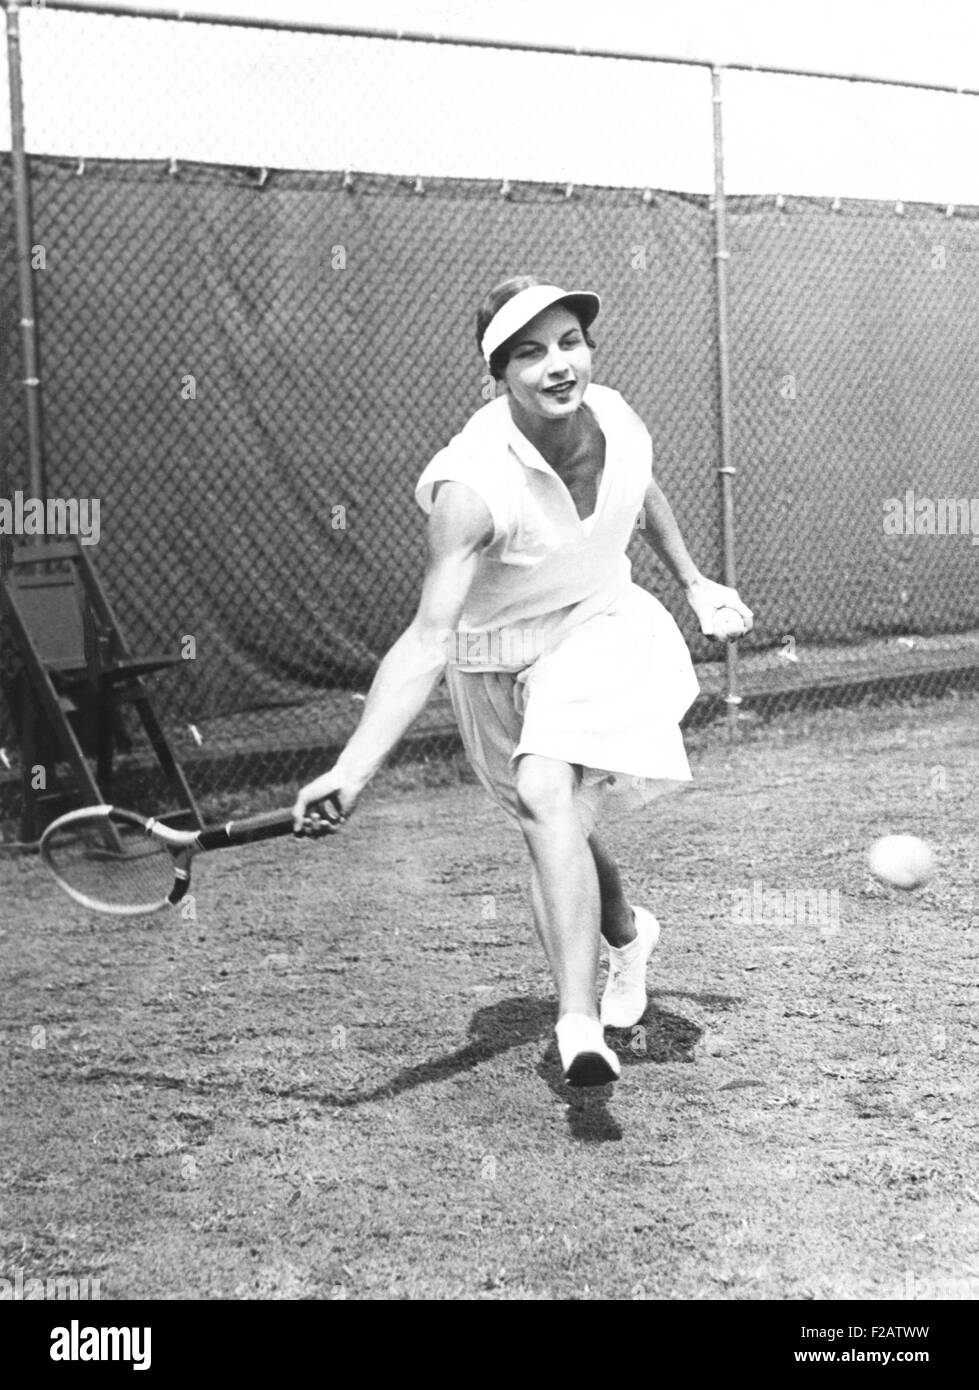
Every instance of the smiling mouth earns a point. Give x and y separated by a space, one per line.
563 388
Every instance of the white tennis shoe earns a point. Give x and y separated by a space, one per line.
624 999
585 1060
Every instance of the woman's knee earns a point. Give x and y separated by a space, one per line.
544 787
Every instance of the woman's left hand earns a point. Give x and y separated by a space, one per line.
706 598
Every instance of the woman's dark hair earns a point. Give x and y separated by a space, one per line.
492 305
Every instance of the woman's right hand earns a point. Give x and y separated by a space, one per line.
311 818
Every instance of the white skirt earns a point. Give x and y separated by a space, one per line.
607 699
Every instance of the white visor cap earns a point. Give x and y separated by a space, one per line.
518 311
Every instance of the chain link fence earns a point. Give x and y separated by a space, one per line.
855 392
251 346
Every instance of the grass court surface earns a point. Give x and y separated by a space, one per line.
340 1079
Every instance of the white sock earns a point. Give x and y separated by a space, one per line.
578 1033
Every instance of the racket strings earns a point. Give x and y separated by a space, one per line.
114 867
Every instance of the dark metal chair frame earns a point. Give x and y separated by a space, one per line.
79 673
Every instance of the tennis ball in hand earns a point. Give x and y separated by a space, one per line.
728 624
903 861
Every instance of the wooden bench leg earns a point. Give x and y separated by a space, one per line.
28 752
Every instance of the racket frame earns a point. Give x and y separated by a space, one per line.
181 844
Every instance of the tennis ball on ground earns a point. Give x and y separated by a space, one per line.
903 861
728 624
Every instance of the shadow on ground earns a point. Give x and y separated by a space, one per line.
660 1037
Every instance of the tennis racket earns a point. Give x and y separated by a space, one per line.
115 861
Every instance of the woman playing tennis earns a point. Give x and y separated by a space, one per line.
567 680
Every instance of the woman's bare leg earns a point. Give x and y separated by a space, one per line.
565 880
618 924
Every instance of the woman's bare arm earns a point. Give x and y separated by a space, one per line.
662 534
705 596
460 525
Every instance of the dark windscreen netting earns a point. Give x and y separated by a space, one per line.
854 344
250 370
250 379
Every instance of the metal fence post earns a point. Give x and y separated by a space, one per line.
726 469
25 281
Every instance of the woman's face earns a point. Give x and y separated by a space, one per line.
549 366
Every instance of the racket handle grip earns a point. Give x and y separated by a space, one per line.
266 826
